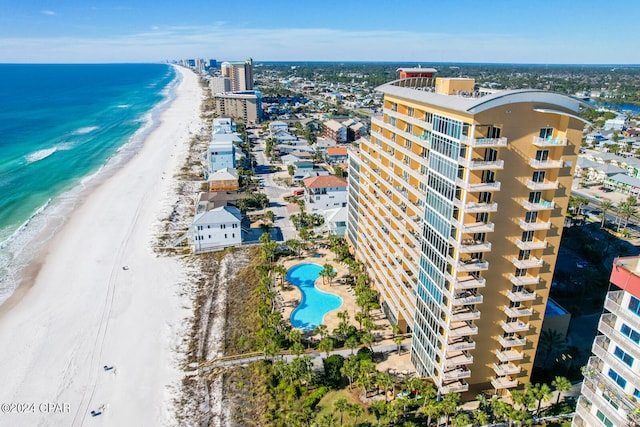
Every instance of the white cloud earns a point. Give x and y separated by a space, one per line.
48 12
313 44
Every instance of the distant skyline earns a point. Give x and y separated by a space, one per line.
499 31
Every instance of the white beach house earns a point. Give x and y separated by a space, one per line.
216 229
325 192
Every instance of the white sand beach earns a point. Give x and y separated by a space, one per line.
83 310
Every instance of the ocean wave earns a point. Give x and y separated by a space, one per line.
84 130
123 106
40 154
24 225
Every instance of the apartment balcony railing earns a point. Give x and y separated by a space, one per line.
460 345
468 282
514 327
517 311
535 226
536 244
512 342
476 227
599 348
463 315
503 382
527 263
545 185
612 302
484 142
545 164
509 355
584 417
473 207
549 142
409 119
457 387
467 299
506 369
543 205
470 246
458 359
520 296
607 327
524 280
470 264
463 330
605 408
478 187
481 164
456 374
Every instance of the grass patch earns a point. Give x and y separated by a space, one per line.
326 406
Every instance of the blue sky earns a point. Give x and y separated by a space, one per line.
421 31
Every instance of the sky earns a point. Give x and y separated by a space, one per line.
421 31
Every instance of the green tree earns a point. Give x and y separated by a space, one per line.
450 404
321 330
561 384
341 405
291 170
551 342
295 245
539 392
352 342
378 408
606 206
350 369
326 345
368 340
398 341
270 216
385 382
461 420
355 411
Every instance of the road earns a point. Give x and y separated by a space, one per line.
593 209
275 193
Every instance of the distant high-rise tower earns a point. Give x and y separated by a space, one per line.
240 73
456 208
611 386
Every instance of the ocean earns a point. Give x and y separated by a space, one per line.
62 129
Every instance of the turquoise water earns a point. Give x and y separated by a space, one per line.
315 303
60 125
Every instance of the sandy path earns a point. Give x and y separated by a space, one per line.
85 311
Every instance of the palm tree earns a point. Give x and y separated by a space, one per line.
270 216
355 411
561 384
461 420
627 210
326 345
281 270
432 409
352 342
551 341
294 245
321 330
450 404
385 381
350 369
539 392
341 405
606 206
398 340
367 339
378 408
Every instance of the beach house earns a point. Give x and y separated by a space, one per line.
216 229
325 192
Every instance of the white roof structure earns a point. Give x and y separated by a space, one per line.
225 137
224 174
220 215
626 179
475 105
334 125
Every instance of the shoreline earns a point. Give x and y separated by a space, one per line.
79 309
30 240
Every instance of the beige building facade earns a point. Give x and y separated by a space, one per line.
456 208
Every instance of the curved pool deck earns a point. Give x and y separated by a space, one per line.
314 303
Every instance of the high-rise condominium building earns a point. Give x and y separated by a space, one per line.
456 208
611 387
240 73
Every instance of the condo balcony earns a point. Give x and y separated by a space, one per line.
465 314
475 207
479 186
484 142
506 369
457 359
456 374
612 302
470 246
517 311
469 264
600 348
461 345
508 342
462 329
524 280
474 227
549 142
503 382
514 327
607 327
466 298
541 186
543 205
520 296
538 244
468 282
477 164
546 164
535 226
509 355
527 263
456 387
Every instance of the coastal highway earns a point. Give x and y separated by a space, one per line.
593 209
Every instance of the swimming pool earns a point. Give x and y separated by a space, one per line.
315 303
